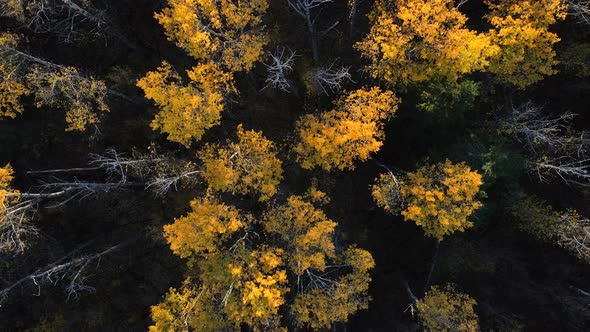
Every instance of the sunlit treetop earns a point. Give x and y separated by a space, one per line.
261 280
422 39
440 198
249 165
6 198
243 288
203 230
305 229
187 111
350 132
526 44
445 310
326 301
227 31
246 272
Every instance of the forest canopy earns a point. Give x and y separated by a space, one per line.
294 165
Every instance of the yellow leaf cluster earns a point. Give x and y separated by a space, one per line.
521 31
423 39
243 280
306 230
225 31
11 92
444 310
261 282
187 310
352 131
6 193
440 198
67 89
250 165
186 112
321 307
203 229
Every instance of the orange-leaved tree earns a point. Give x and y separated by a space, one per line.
422 39
249 165
350 132
242 269
228 32
187 111
440 198
7 194
526 44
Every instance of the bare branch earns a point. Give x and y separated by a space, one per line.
555 149
330 79
69 269
277 70
579 10
162 184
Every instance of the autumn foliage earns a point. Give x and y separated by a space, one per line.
526 44
350 132
419 40
247 166
423 39
244 267
55 86
445 310
228 32
6 176
439 198
187 111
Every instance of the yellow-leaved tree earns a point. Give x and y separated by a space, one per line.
526 44
422 39
305 230
187 111
56 86
7 195
439 198
67 89
445 310
242 269
228 32
350 132
247 166
12 90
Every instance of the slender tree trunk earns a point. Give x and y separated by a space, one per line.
352 17
313 37
432 266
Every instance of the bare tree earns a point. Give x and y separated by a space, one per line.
161 184
280 66
555 149
70 20
330 79
70 270
580 10
16 228
305 8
